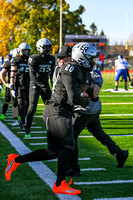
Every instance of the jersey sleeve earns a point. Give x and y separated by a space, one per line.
70 82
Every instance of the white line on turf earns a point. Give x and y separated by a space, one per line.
103 182
92 169
34 144
32 132
113 115
32 127
122 103
39 167
34 138
78 159
119 198
85 136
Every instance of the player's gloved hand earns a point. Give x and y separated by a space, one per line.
13 93
8 85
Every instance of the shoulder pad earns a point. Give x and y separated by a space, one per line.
33 59
72 70
7 64
15 60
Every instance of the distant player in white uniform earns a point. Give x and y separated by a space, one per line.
120 70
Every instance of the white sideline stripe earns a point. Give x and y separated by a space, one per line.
103 182
33 132
92 169
39 167
78 159
105 115
119 198
34 144
34 138
85 136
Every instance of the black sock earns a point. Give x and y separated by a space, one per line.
5 107
38 155
64 157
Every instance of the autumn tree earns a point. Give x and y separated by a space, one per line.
30 20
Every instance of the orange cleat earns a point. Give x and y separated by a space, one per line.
65 189
11 166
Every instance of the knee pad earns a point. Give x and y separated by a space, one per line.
70 147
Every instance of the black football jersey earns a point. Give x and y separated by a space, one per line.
41 68
66 88
22 73
7 66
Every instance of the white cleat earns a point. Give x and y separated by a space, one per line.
16 123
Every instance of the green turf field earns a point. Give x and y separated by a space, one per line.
103 180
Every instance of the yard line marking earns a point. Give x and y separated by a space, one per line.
116 96
32 127
109 115
119 198
124 103
9 120
34 144
39 167
18 125
103 182
112 135
92 169
32 132
34 138
78 159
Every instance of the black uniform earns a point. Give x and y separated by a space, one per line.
8 97
41 68
58 115
22 84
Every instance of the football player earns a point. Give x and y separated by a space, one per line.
89 117
20 77
120 70
6 73
41 68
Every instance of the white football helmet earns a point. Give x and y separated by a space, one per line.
84 53
15 52
120 57
24 49
44 46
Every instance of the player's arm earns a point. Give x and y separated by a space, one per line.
3 75
71 86
12 75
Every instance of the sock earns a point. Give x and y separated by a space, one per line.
64 157
38 155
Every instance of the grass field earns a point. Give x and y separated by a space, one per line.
102 180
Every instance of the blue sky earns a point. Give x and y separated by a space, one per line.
109 16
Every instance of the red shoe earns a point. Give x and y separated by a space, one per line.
65 189
11 166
